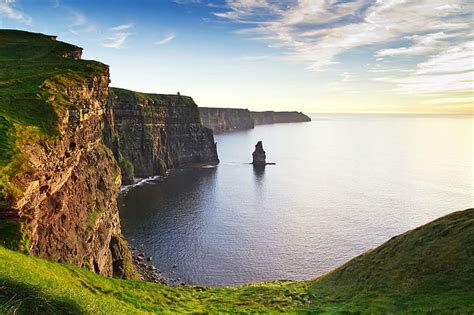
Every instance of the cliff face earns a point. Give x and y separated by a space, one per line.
271 117
60 201
229 119
149 133
226 119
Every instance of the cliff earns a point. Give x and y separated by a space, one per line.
226 119
271 117
58 181
429 270
229 119
149 133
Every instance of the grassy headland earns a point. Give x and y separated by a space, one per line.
34 73
429 270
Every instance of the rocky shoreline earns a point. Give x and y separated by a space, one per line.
148 271
144 263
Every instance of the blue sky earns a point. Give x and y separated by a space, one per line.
309 55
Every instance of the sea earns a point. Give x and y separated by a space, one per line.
342 184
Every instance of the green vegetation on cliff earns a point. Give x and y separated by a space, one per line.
155 104
426 270
35 70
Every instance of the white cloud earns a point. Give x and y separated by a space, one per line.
79 23
118 36
428 84
77 19
166 39
451 70
457 58
8 10
116 40
422 45
317 32
384 70
346 77
121 27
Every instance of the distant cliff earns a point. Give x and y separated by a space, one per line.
58 181
149 133
271 117
226 119
229 119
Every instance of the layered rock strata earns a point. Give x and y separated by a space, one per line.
149 133
226 119
66 209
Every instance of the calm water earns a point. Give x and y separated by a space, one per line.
342 184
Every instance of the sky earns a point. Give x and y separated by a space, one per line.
382 56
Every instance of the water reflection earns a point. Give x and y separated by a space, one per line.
259 172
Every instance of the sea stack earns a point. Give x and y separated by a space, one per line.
259 154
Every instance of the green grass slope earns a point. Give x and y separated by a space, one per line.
428 270
33 73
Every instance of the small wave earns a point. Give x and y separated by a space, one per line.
141 182
208 166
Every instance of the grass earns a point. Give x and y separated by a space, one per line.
127 168
429 270
155 104
125 94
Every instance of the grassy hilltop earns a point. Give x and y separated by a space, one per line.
34 70
426 270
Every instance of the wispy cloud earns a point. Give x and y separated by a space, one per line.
346 77
121 27
451 70
78 23
8 10
118 36
421 45
320 34
254 57
317 32
165 39
428 84
453 59
77 19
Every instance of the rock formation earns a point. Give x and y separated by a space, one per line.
149 133
258 155
60 201
230 119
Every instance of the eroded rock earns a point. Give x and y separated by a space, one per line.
259 157
68 209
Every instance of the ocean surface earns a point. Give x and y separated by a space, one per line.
342 184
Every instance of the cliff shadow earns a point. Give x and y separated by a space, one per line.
18 298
